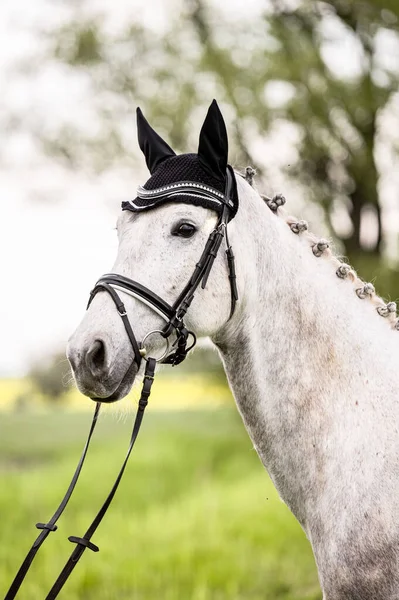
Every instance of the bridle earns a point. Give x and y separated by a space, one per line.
174 314
174 317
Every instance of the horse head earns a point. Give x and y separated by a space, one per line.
162 236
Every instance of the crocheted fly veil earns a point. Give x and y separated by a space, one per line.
198 179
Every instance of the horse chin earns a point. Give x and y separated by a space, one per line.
122 389
125 385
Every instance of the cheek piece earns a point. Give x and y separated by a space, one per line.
174 318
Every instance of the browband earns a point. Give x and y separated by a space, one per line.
182 188
189 192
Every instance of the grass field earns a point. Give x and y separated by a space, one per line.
195 518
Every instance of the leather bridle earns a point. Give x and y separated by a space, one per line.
174 317
174 314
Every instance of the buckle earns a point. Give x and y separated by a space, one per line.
47 526
83 542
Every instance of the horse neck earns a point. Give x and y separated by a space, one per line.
301 346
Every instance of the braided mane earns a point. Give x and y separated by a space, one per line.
322 248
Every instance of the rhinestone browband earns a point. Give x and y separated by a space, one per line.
142 192
190 188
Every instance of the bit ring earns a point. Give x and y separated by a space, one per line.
143 350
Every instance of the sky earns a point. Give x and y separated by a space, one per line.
56 227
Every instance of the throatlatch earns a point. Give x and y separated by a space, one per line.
204 179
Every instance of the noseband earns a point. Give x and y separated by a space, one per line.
174 318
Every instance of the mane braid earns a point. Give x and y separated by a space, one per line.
322 247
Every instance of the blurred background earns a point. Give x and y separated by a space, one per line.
309 92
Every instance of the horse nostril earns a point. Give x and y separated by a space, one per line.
95 357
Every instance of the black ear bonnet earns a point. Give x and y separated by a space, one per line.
200 179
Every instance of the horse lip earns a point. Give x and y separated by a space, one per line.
126 382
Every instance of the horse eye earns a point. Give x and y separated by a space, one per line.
185 230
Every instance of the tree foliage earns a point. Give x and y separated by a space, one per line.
339 117
273 67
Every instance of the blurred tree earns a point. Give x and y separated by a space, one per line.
271 67
51 377
339 116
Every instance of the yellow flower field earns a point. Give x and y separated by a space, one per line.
195 391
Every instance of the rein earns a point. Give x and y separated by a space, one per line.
174 317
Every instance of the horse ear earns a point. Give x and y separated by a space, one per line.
213 145
152 145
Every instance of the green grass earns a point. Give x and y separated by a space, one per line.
195 517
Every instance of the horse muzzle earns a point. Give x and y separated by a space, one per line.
97 375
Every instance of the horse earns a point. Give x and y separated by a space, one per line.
310 352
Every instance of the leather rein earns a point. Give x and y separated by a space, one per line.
174 317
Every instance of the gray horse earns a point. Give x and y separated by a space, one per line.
311 354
